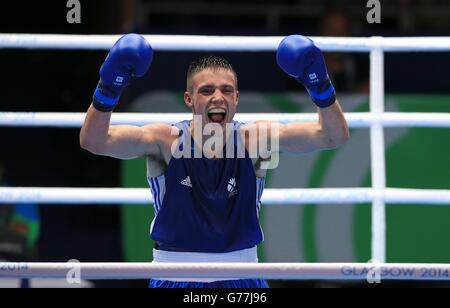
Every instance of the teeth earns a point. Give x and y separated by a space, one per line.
217 110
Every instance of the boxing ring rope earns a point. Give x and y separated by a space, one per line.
355 119
291 196
298 271
223 43
377 119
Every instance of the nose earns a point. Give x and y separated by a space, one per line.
217 96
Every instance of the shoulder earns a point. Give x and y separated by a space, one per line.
253 133
163 135
260 127
160 130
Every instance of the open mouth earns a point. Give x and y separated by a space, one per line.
217 115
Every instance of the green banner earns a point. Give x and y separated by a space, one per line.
415 158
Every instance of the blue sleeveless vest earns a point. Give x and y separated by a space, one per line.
207 205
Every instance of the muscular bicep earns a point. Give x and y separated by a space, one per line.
329 132
128 142
266 138
302 137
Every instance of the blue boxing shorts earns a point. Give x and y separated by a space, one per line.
223 284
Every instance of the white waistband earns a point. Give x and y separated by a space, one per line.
245 255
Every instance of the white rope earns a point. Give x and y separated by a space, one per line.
355 120
222 43
270 196
297 271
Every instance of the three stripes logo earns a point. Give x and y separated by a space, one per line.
187 182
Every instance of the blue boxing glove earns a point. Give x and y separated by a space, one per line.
298 57
130 57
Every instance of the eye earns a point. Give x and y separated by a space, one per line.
207 91
228 90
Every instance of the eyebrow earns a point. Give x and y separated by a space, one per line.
225 86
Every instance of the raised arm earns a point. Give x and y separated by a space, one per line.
120 141
298 57
130 57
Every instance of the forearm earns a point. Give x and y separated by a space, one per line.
94 132
333 124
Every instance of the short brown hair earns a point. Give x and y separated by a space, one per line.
207 62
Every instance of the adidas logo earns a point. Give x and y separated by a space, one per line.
187 182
